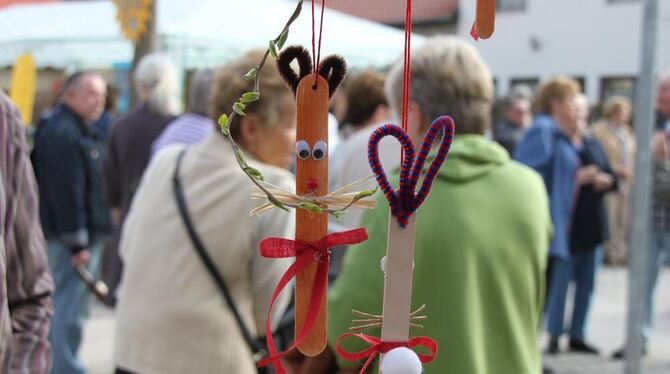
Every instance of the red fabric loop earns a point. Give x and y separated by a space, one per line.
378 346
306 254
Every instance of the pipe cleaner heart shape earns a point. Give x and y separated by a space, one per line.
406 200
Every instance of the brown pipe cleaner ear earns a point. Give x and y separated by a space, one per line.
294 52
333 68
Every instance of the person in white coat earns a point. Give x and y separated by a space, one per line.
171 316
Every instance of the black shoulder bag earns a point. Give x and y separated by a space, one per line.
258 349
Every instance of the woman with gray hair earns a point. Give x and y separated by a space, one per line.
131 137
194 125
480 236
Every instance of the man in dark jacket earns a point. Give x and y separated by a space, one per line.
69 165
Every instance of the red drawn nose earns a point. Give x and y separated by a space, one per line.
312 184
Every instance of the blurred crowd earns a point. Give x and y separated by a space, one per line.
534 197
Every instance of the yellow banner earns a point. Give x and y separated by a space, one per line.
22 86
133 16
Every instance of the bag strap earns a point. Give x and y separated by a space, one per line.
258 350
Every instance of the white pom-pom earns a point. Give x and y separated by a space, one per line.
382 264
401 361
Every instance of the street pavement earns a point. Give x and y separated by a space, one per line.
606 330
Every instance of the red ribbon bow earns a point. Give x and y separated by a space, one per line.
306 253
378 346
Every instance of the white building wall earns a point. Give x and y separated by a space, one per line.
585 38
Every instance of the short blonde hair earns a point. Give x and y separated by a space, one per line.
555 89
229 86
614 105
448 76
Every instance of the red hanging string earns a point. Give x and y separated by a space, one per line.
406 66
316 53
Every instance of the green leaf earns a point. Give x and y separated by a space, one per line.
239 108
254 172
311 207
276 203
223 124
282 39
338 216
249 97
251 74
240 158
273 49
223 120
364 194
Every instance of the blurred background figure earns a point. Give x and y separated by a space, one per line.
367 108
548 148
171 317
588 230
614 133
517 116
26 286
130 140
104 124
476 237
663 101
194 125
75 218
659 241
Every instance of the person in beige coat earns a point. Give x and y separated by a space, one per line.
618 140
171 317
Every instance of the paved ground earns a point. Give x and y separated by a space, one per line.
606 330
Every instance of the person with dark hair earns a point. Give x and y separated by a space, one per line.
75 217
26 285
367 109
104 124
509 131
195 125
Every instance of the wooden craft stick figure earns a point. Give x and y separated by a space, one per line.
313 93
398 264
312 244
485 19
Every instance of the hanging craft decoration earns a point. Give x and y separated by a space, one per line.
485 19
133 16
313 85
395 343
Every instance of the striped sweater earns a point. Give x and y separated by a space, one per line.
25 282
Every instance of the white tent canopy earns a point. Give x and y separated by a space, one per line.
195 33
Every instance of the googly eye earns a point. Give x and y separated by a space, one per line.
302 149
320 150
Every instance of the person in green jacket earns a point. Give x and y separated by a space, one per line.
481 235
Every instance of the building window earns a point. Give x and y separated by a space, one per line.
529 82
510 5
581 81
617 86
